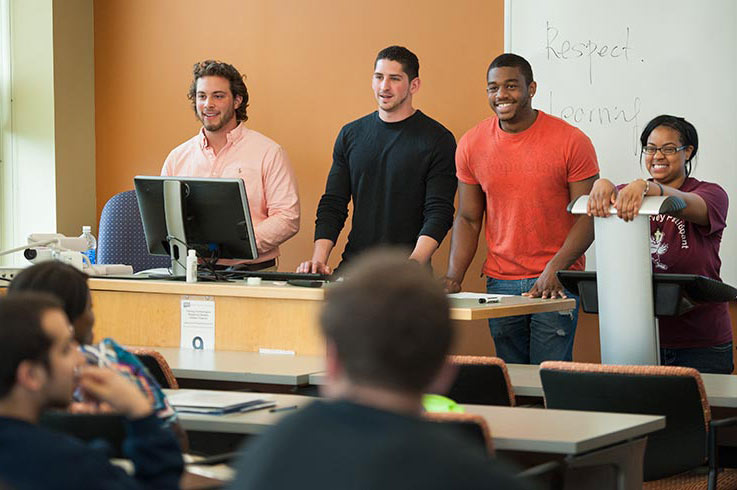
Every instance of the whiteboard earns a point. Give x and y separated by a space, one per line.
610 67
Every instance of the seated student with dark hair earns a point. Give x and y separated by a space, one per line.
69 285
388 331
39 368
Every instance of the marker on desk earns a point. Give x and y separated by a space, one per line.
283 409
488 300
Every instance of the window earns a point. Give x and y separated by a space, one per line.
6 147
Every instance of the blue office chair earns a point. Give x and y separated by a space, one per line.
122 240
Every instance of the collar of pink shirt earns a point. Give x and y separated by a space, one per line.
232 137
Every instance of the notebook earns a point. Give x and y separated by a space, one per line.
217 402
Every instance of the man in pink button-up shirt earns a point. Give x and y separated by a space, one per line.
224 147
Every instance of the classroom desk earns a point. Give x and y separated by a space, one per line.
563 432
241 367
248 318
721 389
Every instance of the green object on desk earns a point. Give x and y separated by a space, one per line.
440 403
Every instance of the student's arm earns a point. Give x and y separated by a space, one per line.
440 190
318 264
629 201
152 448
425 247
578 240
332 211
465 236
282 202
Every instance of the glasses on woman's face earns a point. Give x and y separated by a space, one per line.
665 150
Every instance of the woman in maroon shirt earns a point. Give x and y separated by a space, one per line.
686 243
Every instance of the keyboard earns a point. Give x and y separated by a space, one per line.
280 276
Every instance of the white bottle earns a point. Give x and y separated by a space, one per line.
91 251
191 266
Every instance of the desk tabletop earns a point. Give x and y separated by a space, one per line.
470 309
561 431
243 367
254 422
267 289
512 428
721 389
461 309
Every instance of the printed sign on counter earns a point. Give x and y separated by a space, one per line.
197 323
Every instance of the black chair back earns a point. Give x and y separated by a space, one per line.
480 384
680 446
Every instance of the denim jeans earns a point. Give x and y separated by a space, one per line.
716 359
532 339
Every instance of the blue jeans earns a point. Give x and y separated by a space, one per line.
716 359
532 339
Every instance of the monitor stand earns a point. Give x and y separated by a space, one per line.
173 205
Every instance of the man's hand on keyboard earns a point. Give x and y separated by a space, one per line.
314 267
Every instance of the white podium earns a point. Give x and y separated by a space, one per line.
628 328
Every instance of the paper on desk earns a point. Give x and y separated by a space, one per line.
478 296
197 323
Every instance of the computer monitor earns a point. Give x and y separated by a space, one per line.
210 216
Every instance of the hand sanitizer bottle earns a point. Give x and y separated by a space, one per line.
191 266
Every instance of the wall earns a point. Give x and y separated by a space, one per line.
74 115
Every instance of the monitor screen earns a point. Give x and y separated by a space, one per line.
214 212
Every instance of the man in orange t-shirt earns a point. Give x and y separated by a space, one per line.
522 167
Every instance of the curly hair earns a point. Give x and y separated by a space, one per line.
214 68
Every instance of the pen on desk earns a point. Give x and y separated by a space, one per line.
488 300
283 409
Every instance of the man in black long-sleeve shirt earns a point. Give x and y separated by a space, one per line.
40 366
397 165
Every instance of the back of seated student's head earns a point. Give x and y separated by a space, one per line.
388 323
35 337
69 285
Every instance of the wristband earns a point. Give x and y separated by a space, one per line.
662 192
647 188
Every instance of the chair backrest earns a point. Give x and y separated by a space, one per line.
481 380
122 239
108 429
675 392
471 427
157 366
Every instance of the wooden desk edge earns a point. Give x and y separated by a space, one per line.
498 310
273 291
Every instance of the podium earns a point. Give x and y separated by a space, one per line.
625 292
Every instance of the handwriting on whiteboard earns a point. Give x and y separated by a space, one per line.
564 49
